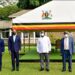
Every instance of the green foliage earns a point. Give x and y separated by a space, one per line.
43 1
6 11
23 4
53 37
34 2
30 4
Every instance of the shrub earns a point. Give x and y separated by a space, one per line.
8 10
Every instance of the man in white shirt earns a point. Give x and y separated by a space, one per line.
43 48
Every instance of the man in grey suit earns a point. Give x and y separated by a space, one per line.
67 48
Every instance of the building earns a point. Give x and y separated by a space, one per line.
54 16
5 29
5 26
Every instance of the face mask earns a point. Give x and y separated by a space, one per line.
66 36
42 35
13 33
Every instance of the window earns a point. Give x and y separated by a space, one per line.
26 34
37 34
5 33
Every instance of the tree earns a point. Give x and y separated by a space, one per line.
30 4
34 3
23 4
6 11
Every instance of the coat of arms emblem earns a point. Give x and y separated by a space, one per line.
46 14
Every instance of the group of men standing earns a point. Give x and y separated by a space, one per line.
43 49
66 49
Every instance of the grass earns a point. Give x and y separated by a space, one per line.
32 68
33 55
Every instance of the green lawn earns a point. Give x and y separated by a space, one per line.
32 68
32 54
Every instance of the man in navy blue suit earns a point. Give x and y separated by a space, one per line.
67 48
1 50
14 45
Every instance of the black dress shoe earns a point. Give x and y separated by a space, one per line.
47 69
70 70
0 69
63 70
41 69
13 70
17 69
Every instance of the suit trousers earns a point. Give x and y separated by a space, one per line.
15 59
46 56
67 56
0 60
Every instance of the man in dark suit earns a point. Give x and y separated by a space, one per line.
67 48
1 50
14 45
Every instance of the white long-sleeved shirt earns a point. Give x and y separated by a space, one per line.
43 45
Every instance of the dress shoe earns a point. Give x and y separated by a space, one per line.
17 69
0 69
70 70
41 69
47 69
13 70
63 70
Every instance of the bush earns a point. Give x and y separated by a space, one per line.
30 4
53 37
8 10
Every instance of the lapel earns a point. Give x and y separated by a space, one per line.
69 41
63 40
15 39
12 39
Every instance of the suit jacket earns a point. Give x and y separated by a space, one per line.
1 45
71 45
14 46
